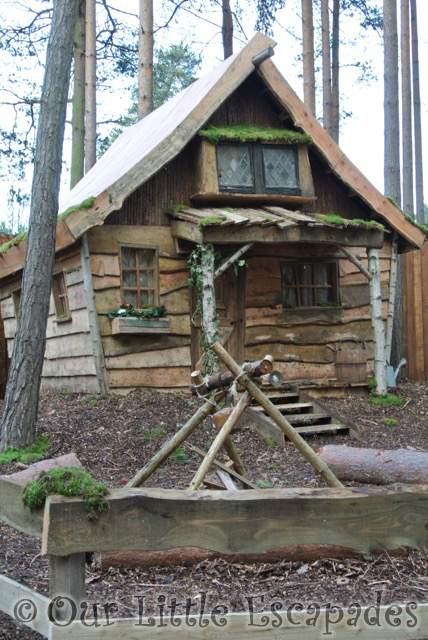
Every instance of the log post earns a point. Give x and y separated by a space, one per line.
280 420
218 442
352 258
377 322
67 585
170 446
231 259
209 314
392 294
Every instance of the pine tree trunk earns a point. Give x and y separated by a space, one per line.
308 55
22 391
227 29
419 177
406 97
145 59
335 72
326 68
77 168
91 81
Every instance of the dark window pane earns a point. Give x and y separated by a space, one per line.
288 274
234 166
323 273
146 298
305 273
280 167
146 279
290 298
306 297
129 278
128 258
130 297
325 295
145 258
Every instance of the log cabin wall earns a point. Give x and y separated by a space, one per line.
415 278
298 339
69 362
142 360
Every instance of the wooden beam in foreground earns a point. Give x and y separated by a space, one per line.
364 519
13 512
13 597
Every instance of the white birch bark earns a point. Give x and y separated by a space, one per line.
391 301
377 322
209 315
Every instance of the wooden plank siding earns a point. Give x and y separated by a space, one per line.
415 278
299 339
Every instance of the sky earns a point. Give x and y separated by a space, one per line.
361 133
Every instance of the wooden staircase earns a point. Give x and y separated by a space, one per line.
308 415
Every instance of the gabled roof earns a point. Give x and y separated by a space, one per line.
144 148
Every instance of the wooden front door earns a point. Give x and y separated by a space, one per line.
230 302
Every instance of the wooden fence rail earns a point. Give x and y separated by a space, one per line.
415 306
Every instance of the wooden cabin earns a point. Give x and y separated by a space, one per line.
235 160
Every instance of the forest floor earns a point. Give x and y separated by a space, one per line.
113 436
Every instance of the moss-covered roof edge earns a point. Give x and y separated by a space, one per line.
246 133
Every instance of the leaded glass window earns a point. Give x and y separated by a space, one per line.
280 167
234 166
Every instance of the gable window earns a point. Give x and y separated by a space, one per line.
312 284
60 295
139 276
258 168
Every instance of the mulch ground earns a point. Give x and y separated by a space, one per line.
113 436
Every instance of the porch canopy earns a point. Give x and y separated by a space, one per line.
272 224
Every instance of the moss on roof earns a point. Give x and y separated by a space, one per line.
13 242
246 133
410 219
333 219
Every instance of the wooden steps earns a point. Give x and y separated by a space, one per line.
306 414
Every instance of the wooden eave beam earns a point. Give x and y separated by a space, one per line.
334 156
352 258
231 259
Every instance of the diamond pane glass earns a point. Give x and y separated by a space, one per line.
280 166
234 166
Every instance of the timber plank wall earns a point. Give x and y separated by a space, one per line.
299 339
415 306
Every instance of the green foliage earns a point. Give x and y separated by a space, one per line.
70 482
92 400
392 201
390 422
387 400
152 433
270 442
128 311
246 133
411 218
176 208
36 451
416 224
180 457
204 222
264 484
372 384
333 219
13 242
85 204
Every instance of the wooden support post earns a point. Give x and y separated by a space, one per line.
280 420
219 420
377 323
237 412
352 258
247 483
233 258
172 444
67 585
392 294
209 315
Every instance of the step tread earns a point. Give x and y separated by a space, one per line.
321 428
306 417
291 405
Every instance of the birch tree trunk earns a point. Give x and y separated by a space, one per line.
419 178
392 297
406 98
377 322
145 59
308 55
90 94
77 168
227 29
335 117
22 391
326 68
209 314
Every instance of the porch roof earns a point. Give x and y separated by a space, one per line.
272 224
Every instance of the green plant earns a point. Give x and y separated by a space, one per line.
390 422
129 311
92 401
152 433
270 442
180 457
86 204
204 222
70 482
333 219
176 208
264 484
372 384
246 133
387 400
36 451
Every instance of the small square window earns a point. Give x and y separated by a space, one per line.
235 167
280 167
310 285
139 276
60 294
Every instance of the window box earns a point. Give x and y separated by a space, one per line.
139 325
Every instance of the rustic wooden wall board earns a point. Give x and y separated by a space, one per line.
415 306
13 512
123 345
174 377
366 519
106 239
71 384
76 365
178 356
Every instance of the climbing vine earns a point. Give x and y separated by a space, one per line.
196 268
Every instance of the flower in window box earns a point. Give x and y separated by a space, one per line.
129 311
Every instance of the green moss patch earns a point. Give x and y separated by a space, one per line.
359 223
13 242
209 220
410 219
246 133
36 451
387 400
86 204
176 208
70 482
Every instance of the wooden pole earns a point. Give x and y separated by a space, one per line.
352 258
392 295
247 483
170 446
280 420
224 379
233 258
377 323
209 314
67 585
237 412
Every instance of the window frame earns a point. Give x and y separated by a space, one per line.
155 288
61 300
258 169
298 286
